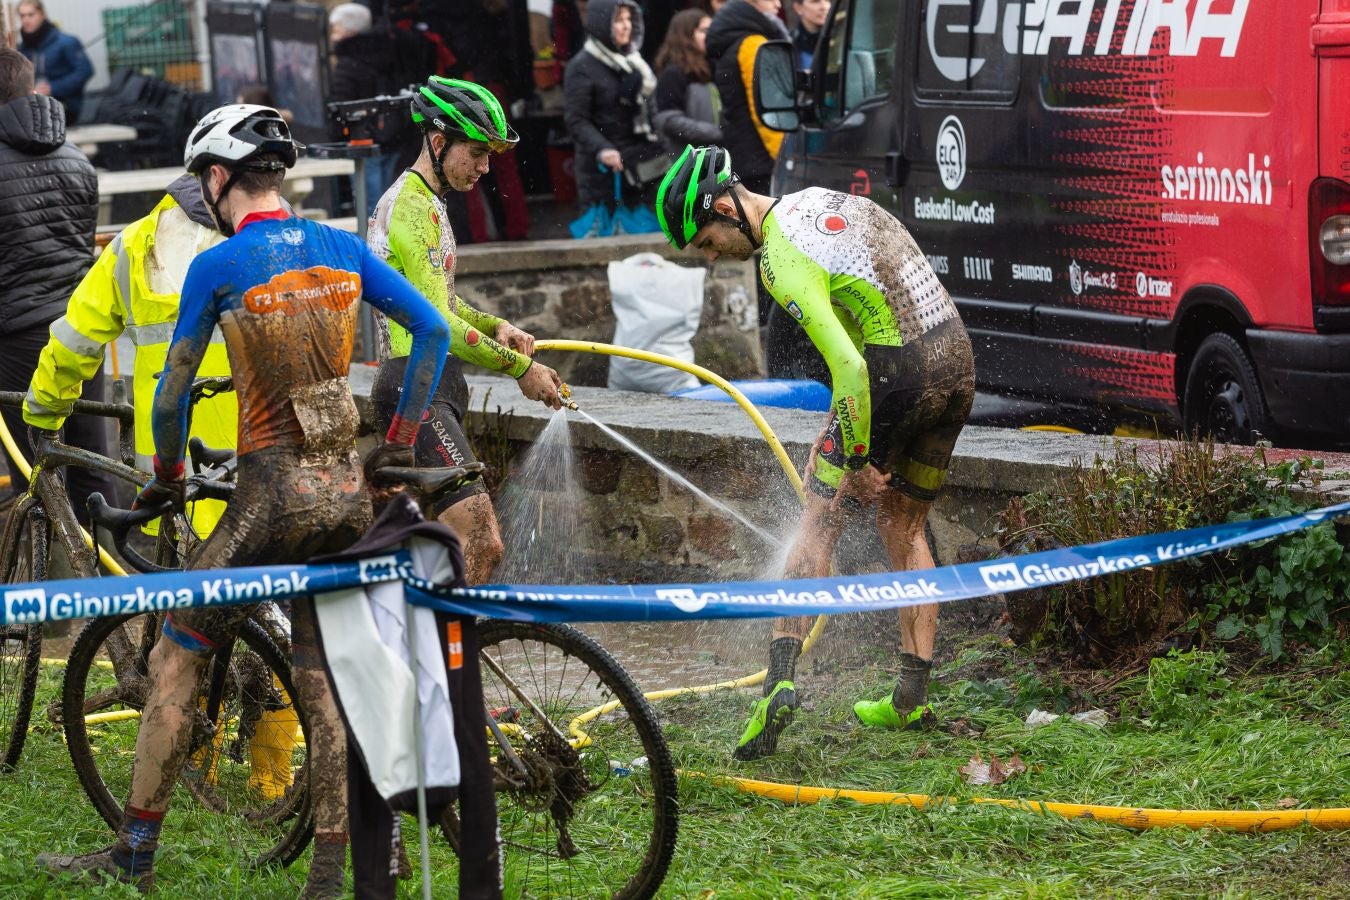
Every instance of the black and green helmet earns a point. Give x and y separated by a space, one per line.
684 199
464 110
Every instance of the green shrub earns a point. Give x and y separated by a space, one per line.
1268 592
1181 685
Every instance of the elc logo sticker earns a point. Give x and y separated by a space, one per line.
951 153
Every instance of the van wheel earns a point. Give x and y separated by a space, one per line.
1223 396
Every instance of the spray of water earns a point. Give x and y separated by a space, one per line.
768 537
541 512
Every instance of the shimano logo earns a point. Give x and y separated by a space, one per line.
379 568
684 599
26 607
1002 577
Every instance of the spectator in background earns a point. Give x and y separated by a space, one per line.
811 16
686 104
609 91
490 40
366 66
60 67
735 35
48 209
737 31
261 95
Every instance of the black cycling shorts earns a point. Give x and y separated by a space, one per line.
921 396
440 440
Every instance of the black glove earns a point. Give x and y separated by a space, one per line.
388 454
161 491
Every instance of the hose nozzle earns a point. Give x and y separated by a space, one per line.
565 395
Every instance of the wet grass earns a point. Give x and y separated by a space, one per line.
1264 737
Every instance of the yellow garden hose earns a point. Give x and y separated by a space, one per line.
1132 817
1129 816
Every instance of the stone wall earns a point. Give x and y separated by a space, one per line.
560 289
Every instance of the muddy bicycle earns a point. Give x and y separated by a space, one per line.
41 527
586 783
247 754
585 780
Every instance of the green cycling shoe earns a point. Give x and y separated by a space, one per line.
883 714
772 715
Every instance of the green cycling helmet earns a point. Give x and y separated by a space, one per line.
464 110
684 199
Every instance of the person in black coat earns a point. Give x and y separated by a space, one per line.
735 34
48 212
608 92
370 61
686 105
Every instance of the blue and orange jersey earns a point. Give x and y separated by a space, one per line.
285 293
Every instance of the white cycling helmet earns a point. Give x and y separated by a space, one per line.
235 136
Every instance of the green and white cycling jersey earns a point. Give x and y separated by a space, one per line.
853 277
410 231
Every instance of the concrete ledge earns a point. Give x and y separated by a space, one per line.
503 258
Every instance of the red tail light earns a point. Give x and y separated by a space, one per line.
1329 241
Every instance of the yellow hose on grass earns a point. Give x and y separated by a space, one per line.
1129 816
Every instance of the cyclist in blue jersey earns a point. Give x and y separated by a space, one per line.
285 293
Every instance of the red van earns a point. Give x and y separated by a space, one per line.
1138 205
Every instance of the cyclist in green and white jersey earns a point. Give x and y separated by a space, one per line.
462 126
903 381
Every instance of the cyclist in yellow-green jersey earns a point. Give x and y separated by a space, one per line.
462 125
903 379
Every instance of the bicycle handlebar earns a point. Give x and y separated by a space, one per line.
123 412
119 522
204 457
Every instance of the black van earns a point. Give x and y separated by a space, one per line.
1139 206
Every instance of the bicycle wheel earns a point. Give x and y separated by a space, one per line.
596 815
248 766
23 558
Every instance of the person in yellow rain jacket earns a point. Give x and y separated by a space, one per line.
133 289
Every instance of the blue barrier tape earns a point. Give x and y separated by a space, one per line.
853 593
79 598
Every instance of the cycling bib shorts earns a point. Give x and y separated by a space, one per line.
900 360
441 440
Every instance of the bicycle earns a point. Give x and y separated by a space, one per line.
25 547
246 754
578 755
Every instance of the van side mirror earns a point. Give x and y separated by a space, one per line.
775 86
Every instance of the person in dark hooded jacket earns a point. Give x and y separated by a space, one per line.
608 91
48 211
737 31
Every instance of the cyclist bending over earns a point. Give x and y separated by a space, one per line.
285 293
462 124
903 381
